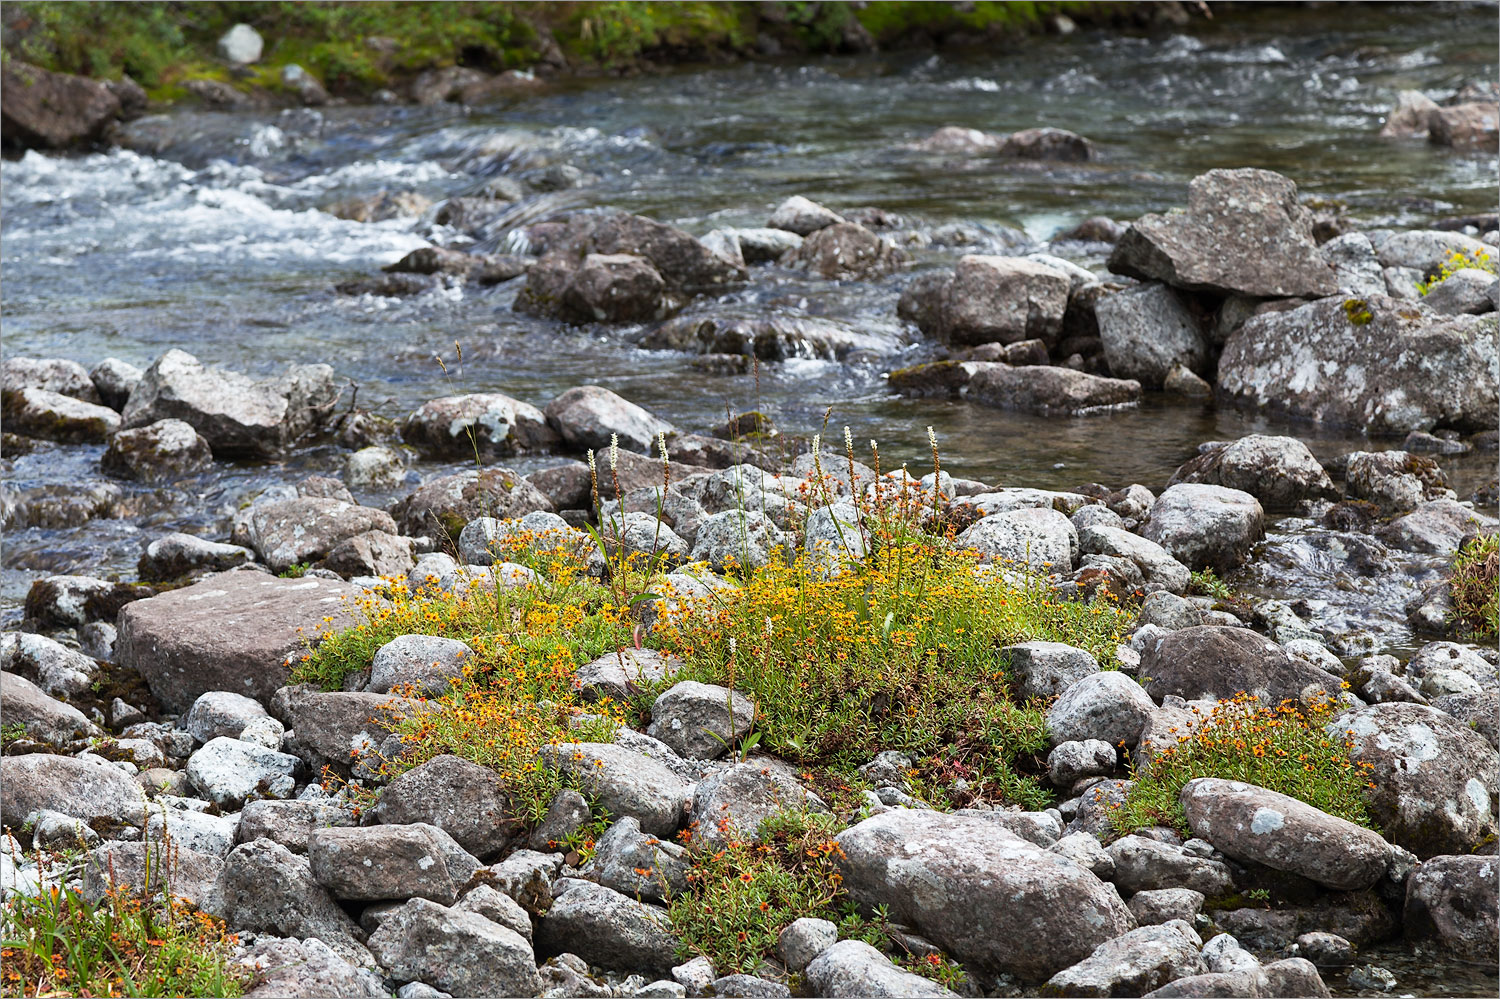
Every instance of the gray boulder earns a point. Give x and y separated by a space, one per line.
804 939
497 907
265 888
1426 250
89 790
981 893
846 251
1395 481
1216 662
214 835
1255 825
1148 332
1375 364
1143 864
147 867
1435 779
623 782
1132 964
1436 527
465 800
701 721
49 374
1070 762
734 802
636 864
1045 390
174 556
616 288
1203 525
1452 902
1002 300
623 674
374 863
288 967
1356 269
488 424
427 662
1279 471
158 452
1042 670
337 729
606 928
854 968
44 718
1243 233
1159 570
802 216
442 506
289 532
291 823
52 416
56 669
588 416
1161 905
230 772
1038 540
458 951
220 713
1108 706
737 539
239 417
1464 292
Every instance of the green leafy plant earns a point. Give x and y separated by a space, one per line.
1459 260
1208 583
296 571
1474 587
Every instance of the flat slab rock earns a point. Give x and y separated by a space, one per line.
233 631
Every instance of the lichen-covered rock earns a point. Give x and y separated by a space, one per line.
427 662
220 713
52 416
490 424
56 669
734 802
145 867
1206 526
615 288
1435 779
85 789
338 729
173 556
740 540
1042 541
1256 825
397 862
637 864
465 800
981 893
846 251
230 772
1000 300
1279 471
623 782
289 967
700 721
853 968
291 823
1046 390
1452 902
1109 706
442 506
50 374
158 452
1143 864
264 887
44 718
590 416
622 674
1217 662
1243 233
305 529
1148 332
606 928
1376 364
1436 527
1131 964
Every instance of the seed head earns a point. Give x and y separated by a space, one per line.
614 452
661 443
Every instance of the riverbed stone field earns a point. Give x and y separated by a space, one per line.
527 543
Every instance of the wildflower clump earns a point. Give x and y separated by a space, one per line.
1475 587
1459 260
1283 748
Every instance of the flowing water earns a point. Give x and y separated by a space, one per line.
207 234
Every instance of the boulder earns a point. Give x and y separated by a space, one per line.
1042 670
981 893
846 251
371 553
235 631
615 288
1148 332
1451 902
144 867
1471 126
1280 472
239 417
464 800
306 529
1206 526
35 412
74 601
740 540
1435 778
397 862
457 951
57 671
1159 570
1048 144
90 790
426 662
44 718
1161 905
1043 389
442 506
50 374
623 782
1216 662
1143 864
803 939
220 713
337 729
623 674
289 967
1464 292
1356 269
1244 233
700 721
853 968
229 772
46 110
374 469
802 216
1375 363
1256 825
291 823
1132 964
1001 300
487 424
159 452
606 928
264 887
1108 706
174 556
198 831
638 865
1070 762
590 417
732 803
1043 541
1395 481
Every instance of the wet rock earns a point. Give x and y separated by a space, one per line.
57 670
264 887
1143 864
239 417
854 968
1216 662
802 216
700 721
737 540
1279 471
1072 761
845 251
44 718
1360 917
1046 390
50 374
189 874
1471 126
615 288
1376 364
380 206
1162 905
588 417
1452 901
770 338
636 864
176 555
763 245
1048 144
390 285
51 416
606 928
160 452
1109 706
1131 964
288 967
1256 825
234 631
441 507
1159 570
1001 300
46 110
1243 233
804 939
84 789
219 713
1356 269
1395 481
1206 526
489 424
230 772
466 801
1147 332
623 782
371 863
1408 119
1447 657
1045 669
338 729
291 823
982 894
1229 984
737 800
1435 779
1039 540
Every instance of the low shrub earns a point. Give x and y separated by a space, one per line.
1458 260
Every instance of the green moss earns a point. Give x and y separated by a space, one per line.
1357 310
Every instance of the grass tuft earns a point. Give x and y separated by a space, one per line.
1475 587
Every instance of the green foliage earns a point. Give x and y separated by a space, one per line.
1357 311
296 571
1474 587
1284 749
1458 260
1208 583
